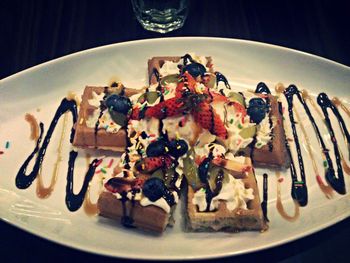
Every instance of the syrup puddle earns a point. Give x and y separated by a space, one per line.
279 205
91 208
42 191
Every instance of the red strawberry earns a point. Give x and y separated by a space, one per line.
216 97
118 185
187 83
206 116
150 164
167 108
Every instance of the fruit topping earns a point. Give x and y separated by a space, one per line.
118 103
248 132
166 175
236 97
150 97
157 148
174 78
150 164
167 108
232 165
206 116
257 110
191 172
118 185
194 69
154 188
178 148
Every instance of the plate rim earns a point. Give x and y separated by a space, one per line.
120 254
181 38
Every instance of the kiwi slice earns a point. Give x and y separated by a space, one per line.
150 96
213 173
236 97
174 78
248 132
191 172
212 81
166 176
118 118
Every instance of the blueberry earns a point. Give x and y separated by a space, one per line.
178 148
156 148
257 110
153 188
194 69
118 103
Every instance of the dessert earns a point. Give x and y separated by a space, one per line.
182 128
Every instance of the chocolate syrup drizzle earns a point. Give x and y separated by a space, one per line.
221 78
265 197
337 183
204 166
299 188
24 180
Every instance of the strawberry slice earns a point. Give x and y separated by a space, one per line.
206 116
167 108
150 164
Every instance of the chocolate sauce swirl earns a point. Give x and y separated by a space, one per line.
24 180
337 183
299 187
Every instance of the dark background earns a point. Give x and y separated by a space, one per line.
32 32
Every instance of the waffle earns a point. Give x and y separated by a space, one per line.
149 218
278 156
85 137
225 220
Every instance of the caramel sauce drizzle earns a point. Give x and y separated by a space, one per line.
42 191
279 204
34 126
90 208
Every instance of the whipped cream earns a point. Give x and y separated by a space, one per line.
105 121
169 68
233 193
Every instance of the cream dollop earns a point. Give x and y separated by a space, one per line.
169 68
233 193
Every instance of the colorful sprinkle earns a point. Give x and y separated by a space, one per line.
166 149
110 163
81 121
1 152
103 170
240 126
325 164
280 180
231 121
7 145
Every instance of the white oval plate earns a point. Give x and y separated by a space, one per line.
39 90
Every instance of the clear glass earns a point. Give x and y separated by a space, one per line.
161 15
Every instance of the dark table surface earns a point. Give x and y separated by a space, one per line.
32 32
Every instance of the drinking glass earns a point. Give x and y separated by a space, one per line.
161 15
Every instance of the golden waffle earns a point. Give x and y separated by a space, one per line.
223 219
277 157
149 218
85 137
